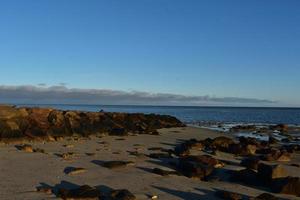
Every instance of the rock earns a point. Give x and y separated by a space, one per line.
242 150
229 195
84 192
75 171
251 162
221 143
116 164
268 172
90 154
185 148
159 155
273 140
287 185
277 155
122 195
26 147
37 123
205 160
69 145
284 157
66 156
39 150
193 169
165 172
46 190
265 196
246 176
280 127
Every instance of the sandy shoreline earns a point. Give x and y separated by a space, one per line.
21 172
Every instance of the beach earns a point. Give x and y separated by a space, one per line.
22 172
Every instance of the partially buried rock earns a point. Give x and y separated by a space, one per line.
26 147
265 196
165 172
229 195
46 190
75 171
84 192
122 195
205 160
67 156
159 155
116 164
287 185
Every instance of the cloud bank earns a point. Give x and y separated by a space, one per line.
61 94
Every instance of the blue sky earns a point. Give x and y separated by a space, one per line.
220 48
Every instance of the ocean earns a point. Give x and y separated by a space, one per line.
194 115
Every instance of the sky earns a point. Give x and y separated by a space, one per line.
160 52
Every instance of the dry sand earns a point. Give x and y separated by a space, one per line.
21 172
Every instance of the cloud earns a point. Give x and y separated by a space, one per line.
61 94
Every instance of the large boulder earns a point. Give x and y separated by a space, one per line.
222 143
251 162
287 185
194 169
246 176
269 172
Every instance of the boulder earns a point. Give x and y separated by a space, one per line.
193 169
242 150
205 160
268 172
221 143
251 162
246 176
84 192
121 195
287 185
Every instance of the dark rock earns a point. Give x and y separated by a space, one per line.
268 172
277 155
165 172
116 164
251 162
159 155
242 150
205 160
280 127
185 148
273 140
265 196
229 195
246 176
287 185
121 195
43 122
83 192
221 143
193 169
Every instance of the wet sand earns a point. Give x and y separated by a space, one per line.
22 172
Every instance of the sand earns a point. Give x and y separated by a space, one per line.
22 172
